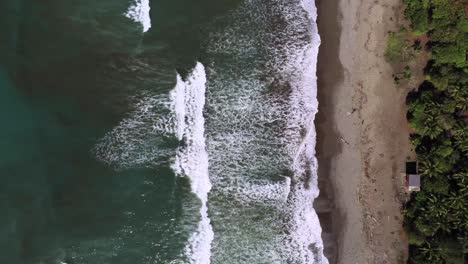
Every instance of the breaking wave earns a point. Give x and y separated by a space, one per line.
261 136
192 159
255 127
138 142
140 12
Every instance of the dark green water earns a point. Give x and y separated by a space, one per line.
96 123
69 72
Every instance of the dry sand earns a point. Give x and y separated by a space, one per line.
362 134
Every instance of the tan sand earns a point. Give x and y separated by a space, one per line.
362 134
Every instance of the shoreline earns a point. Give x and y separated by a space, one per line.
362 137
330 216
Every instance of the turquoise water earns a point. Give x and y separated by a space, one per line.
89 133
65 81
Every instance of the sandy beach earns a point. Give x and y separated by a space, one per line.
362 133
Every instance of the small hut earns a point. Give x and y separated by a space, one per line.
413 182
413 179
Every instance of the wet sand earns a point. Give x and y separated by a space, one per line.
362 138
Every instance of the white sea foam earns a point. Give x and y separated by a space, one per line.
260 137
192 159
134 143
139 12
127 146
261 107
177 96
304 225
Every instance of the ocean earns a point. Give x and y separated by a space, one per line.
158 131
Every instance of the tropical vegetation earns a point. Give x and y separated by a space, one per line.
436 218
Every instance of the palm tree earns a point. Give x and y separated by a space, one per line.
431 253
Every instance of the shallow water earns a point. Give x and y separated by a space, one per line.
158 132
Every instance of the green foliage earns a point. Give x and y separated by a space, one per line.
417 12
463 25
437 185
431 114
444 35
452 251
415 239
450 54
398 48
446 24
437 217
404 75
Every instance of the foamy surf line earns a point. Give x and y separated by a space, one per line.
140 12
266 123
188 100
305 226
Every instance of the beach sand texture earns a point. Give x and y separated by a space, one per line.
362 133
